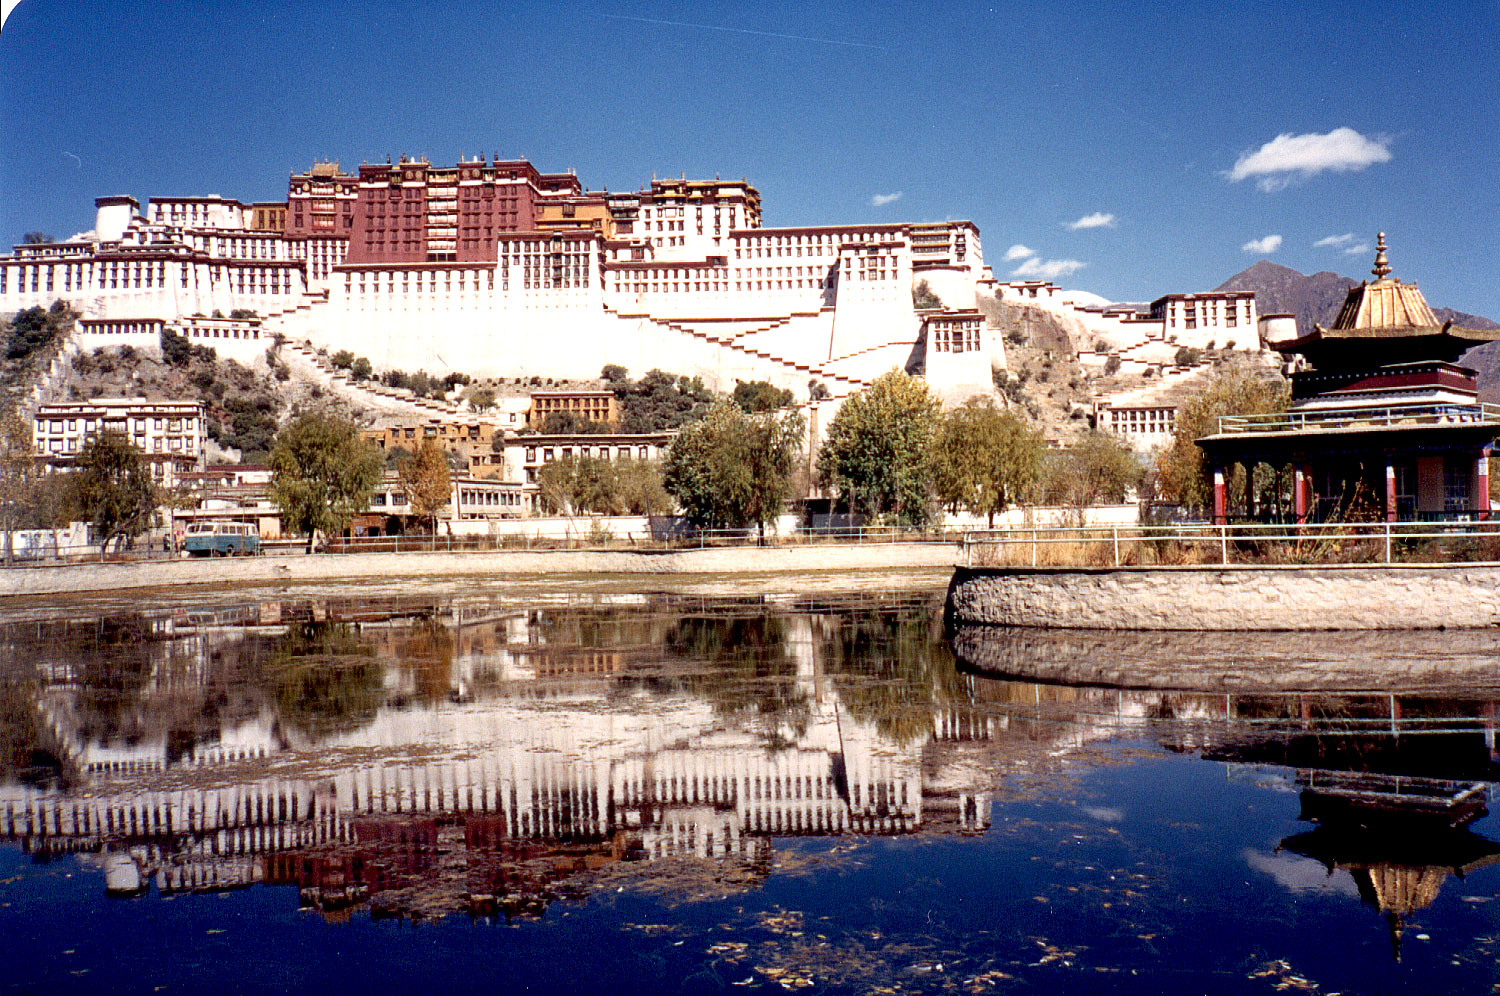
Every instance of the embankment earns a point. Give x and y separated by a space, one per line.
73 578
1239 663
1330 597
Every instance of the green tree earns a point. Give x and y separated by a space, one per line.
760 396
641 491
36 239
922 296
482 398
1236 389
426 479
112 489
875 453
734 469
342 360
658 401
322 474
574 486
570 423
18 475
361 369
985 458
1099 469
33 329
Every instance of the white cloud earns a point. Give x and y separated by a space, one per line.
881 200
1299 875
1288 156
1096 220
1018 251
1263 247
1344 243
1050 269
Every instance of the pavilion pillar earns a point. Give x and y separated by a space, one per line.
1250 490
1299 494
1390 491
1309 493
1483 480
1221 512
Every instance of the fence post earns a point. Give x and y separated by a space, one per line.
1387 541
1033 548
1224 544
1115 533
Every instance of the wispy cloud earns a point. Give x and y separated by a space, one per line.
1050 269
1287 157
1096 220
1263 247
1018 251
881 200
1345 244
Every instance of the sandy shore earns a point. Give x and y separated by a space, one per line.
747 562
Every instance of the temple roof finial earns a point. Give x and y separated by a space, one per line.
1382 268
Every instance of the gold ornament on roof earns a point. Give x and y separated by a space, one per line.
1382 267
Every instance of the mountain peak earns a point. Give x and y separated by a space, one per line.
1282 290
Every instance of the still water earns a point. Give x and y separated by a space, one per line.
564 791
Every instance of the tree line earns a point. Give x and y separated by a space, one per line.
891 454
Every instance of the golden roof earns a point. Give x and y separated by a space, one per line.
1386 303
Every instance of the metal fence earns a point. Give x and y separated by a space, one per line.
604 538
1360 418
600 537
1240 543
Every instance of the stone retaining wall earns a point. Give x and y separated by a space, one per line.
744 561
1353 596
1452 662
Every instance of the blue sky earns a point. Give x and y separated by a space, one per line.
1191 139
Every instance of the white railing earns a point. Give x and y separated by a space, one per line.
1241 543
1385 416
673 537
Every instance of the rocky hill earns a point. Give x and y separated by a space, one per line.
1282 290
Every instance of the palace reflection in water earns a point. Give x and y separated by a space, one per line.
426 756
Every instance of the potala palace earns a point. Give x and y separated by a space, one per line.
496 269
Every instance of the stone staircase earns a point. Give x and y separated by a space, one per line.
371 394
839 385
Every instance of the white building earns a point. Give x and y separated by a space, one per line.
681 276
170 434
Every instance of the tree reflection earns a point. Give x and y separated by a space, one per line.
426 652
893 669
746 668
324 679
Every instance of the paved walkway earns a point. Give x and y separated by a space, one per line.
22 581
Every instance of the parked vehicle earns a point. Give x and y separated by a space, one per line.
222 539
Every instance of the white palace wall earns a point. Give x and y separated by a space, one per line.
792 306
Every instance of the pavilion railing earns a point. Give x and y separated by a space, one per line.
1248 543
1384 416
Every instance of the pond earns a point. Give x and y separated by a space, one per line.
415 788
